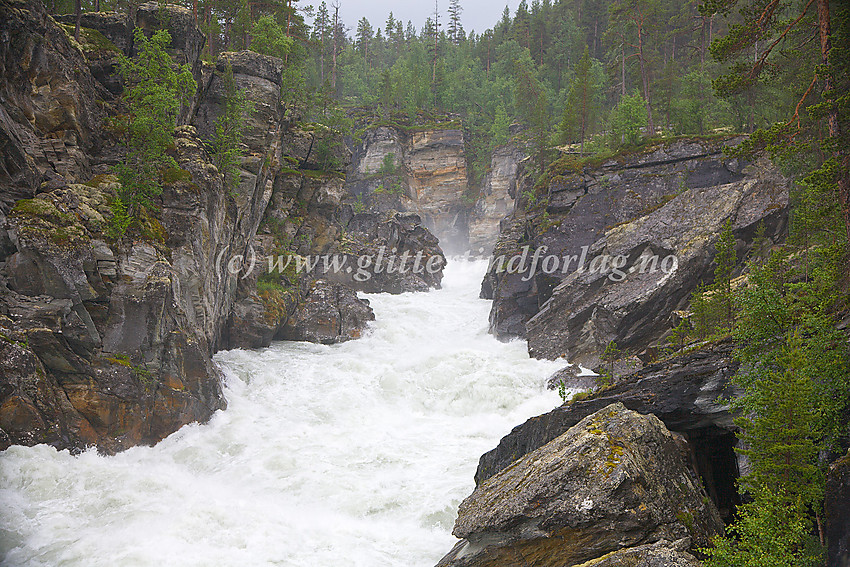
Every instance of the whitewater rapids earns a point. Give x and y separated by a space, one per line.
355 454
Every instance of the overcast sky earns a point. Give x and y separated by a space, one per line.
477 15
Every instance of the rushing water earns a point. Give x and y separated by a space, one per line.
355 454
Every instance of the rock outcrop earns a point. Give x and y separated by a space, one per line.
389 254
329 313
49 114
658 215
836 505
497 199
614 481
108 341
428 177
683 392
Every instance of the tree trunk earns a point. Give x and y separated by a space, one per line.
650 127
335 32
208 23
623 73
78 10
436 45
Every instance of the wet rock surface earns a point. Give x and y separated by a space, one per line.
329 313
108 342
613 481
683 392
669 201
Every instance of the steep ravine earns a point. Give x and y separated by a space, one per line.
356 453
109 343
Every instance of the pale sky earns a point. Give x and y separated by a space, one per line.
477 15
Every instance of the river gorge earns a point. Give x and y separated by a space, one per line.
361 450
165 402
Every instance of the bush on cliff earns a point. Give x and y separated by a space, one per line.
154 100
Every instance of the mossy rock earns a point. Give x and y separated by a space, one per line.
41 209
91 40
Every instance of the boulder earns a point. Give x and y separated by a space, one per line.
683 392
330 313
587 205
614 481
389 254
836 506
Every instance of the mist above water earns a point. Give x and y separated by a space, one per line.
354 454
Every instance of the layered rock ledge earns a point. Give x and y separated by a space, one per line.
614 483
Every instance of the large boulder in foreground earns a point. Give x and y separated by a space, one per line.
682 391
614 481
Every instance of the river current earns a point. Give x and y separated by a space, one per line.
355 454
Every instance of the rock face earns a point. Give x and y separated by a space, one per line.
392 255
614 481
666 204
428 178
682 392
497 198
330 313
49 117
837 503
106 341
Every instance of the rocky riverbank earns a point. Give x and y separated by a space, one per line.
109 343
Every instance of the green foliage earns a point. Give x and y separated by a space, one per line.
388 166
501 126
154 99
359 206
229 129
725 261
562 391
628 119
770 531
580 110
695 109
795 384
269 38
610 356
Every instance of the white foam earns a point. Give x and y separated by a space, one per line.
355 454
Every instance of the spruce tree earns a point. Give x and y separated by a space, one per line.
154 99
579 111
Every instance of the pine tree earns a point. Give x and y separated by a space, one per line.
628 118
501 126
321 26
363 39
455 26
753 48
579 112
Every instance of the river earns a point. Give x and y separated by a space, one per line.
355 454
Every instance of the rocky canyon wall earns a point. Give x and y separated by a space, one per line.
665 203
430 177
107 342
